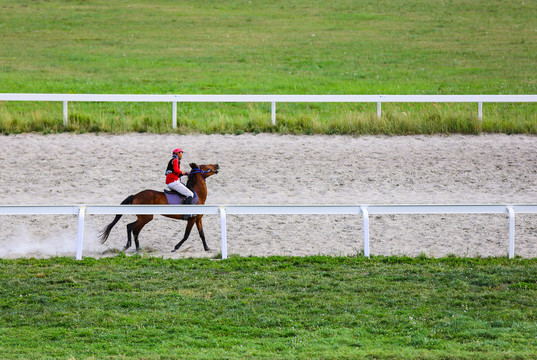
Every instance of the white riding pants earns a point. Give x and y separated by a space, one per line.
180 188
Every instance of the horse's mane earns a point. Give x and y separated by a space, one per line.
191 182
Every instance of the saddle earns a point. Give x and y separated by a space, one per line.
174 198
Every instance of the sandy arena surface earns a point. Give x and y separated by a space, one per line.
69 169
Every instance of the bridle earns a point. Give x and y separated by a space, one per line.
202 172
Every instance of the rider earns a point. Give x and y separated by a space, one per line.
174 173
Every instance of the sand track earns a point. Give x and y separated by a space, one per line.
68 169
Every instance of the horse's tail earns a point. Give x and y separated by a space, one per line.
106 231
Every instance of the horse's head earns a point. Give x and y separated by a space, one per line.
196 179
205 170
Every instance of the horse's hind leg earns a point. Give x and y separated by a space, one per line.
135 228
129 232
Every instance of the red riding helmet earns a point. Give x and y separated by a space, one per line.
177 151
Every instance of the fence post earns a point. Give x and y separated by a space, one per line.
65 116
365 214
80 237
511 232
174 114
223 231
480 111
273 113
379 109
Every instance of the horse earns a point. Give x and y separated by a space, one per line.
196 182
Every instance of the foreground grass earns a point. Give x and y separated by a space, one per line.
269 47
278 308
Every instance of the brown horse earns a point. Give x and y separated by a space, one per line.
196 182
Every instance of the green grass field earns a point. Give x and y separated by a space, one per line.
269 47
268 308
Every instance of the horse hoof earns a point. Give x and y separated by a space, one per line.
174 250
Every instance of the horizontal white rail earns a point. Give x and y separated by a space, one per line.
264 98
264 209
224 210
273 99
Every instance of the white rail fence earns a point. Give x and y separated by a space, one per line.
223 210
272 99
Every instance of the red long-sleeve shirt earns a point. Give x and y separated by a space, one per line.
174 170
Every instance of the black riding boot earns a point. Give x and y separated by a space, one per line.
188 201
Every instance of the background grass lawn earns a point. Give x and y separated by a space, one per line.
269 47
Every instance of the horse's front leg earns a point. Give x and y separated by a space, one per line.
199 225
189 226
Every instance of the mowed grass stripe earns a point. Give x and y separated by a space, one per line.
276 307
